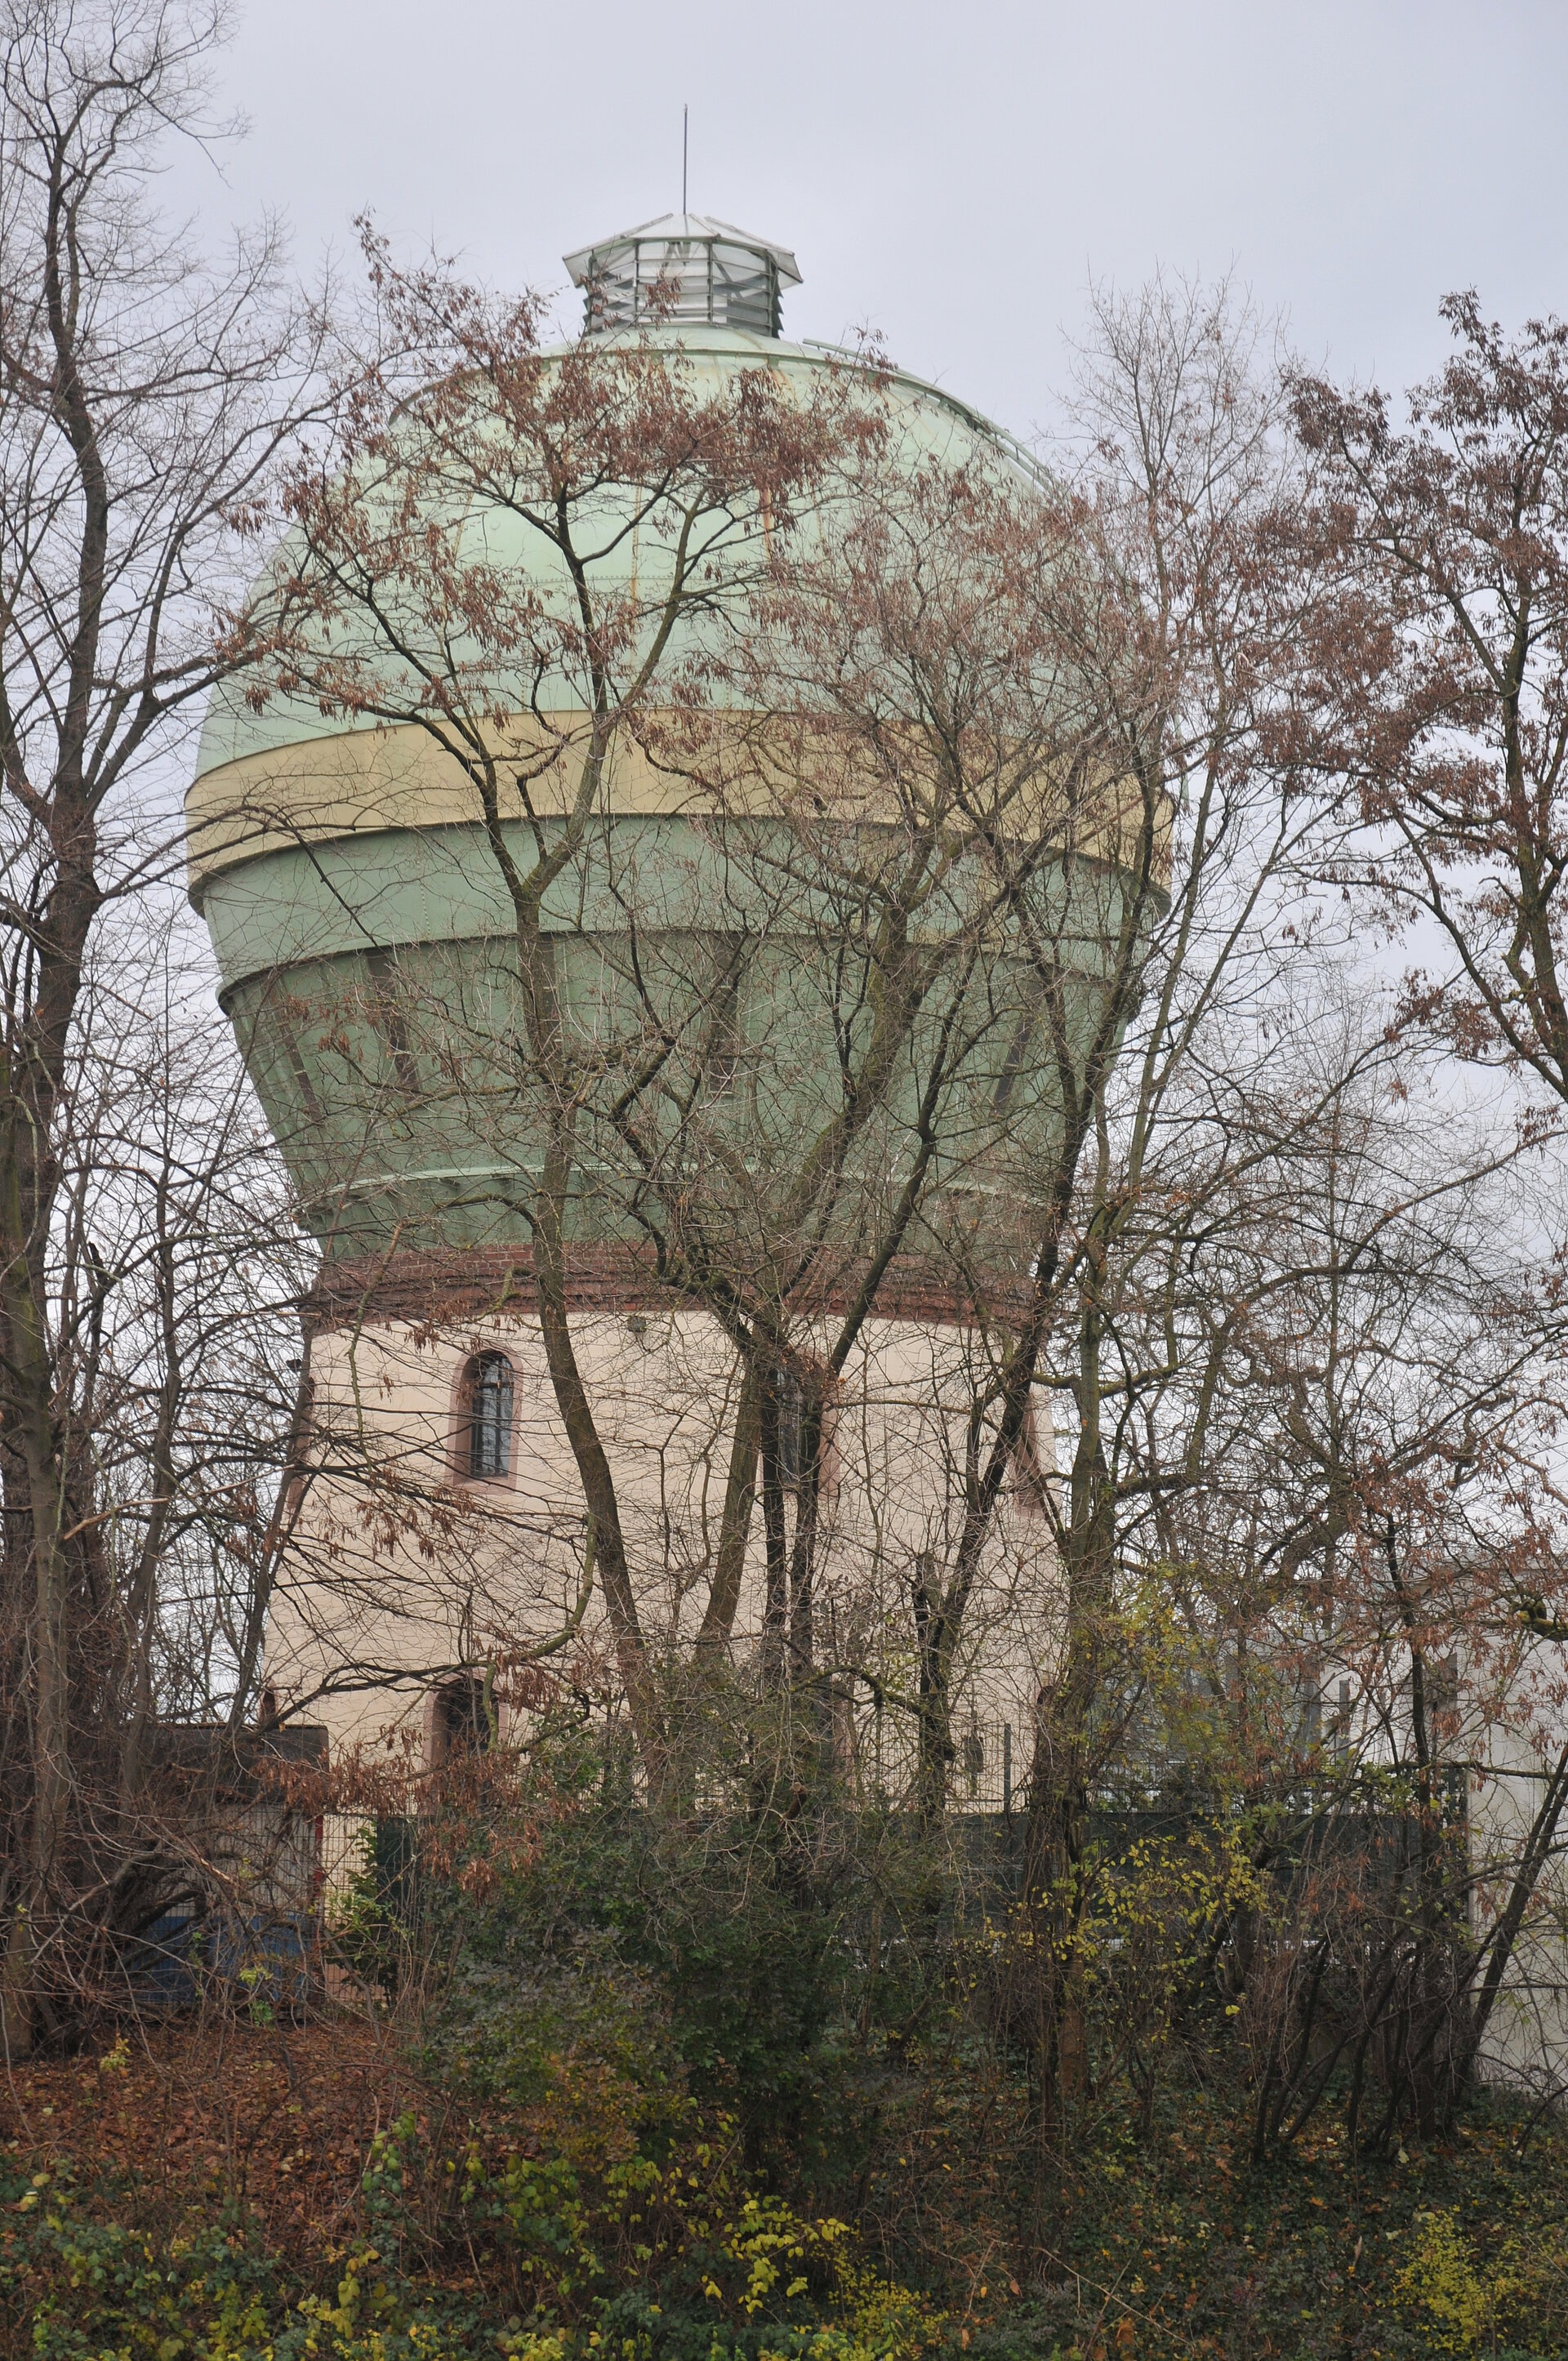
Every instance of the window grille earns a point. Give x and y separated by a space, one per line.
490 1415
723 1048
786 1399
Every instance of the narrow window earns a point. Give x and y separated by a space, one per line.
1028 1475
786 1395
1013 1063
490 1415
723 1051
387 1005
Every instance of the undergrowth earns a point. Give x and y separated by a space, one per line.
731 2091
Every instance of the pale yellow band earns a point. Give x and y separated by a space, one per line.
366 780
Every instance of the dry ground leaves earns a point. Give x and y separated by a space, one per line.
275 2119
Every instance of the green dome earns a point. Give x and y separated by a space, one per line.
924 425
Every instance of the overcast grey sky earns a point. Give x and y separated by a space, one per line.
948 175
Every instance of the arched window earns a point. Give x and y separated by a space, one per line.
490 1415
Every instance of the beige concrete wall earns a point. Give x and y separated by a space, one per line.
404 1567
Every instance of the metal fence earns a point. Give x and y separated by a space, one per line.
346 1840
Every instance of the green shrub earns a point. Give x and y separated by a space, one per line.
81 2279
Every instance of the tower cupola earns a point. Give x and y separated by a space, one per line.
684 268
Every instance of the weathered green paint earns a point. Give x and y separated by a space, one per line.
371 980
923 423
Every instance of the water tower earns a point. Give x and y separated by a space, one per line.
359 925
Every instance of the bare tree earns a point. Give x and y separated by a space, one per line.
1443 665
145 403
1190 640
1379 1498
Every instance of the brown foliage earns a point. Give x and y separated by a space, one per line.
278 2121
1443 669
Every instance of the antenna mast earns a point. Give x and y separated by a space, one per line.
684 113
